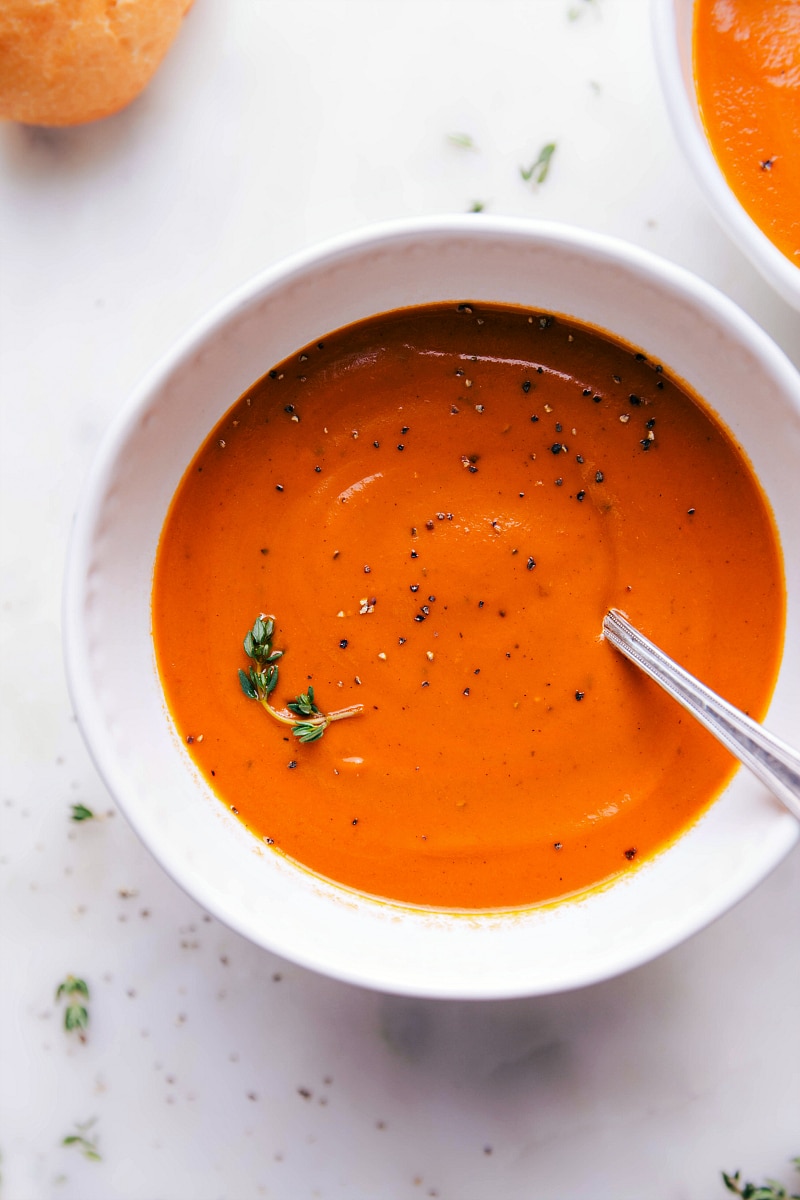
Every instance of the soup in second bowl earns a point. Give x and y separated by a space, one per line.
747 74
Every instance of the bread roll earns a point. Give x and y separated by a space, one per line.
63 62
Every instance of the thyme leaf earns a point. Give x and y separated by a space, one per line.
539 168
305 732
464 141
76 1013
769 1190
260 679
86 1144
81 813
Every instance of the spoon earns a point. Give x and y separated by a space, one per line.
771 760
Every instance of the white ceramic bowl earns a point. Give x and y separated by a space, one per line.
672 32
691 328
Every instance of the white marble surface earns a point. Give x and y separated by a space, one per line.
212 1070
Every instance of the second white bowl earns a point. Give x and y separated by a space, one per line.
672 31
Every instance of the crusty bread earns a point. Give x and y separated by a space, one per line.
63 62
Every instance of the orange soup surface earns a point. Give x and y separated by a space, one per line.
747 75
438 506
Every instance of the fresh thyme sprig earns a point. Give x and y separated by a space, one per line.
260 680
76 1014
770 1190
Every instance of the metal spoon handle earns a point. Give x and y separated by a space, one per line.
771 760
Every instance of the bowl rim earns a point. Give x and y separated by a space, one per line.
684 114
85 702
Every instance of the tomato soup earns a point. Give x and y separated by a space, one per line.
747 75
436 507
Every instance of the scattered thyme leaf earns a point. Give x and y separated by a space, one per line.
538 169
76 1014
72 986
771 1189
464 141
259 681
86 1144
477 206
81 813
576 11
